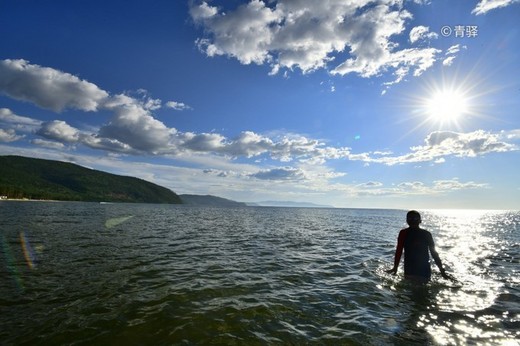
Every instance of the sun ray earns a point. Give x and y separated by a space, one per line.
455 102
446 105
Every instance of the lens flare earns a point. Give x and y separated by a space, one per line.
28 252
11 267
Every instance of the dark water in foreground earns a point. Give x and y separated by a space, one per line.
83 273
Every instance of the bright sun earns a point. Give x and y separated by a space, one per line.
446 106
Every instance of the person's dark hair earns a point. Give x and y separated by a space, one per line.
413 218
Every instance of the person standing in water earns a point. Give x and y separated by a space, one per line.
416 243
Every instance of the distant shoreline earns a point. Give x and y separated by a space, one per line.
30 200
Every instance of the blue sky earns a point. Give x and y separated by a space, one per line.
375 104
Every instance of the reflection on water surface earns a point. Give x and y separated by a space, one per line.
98 274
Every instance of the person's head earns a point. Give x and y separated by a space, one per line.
413 218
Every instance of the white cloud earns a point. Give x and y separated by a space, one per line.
485 6
421 33
309 35
133 124
7 116
512 134
250 28
9 135
47 87
451 54
59 130
203 142
411 186
11 123
417 188
133 129
48 144
249 144
454 184
219 173
453 49
370 184
448 61
237 181
178 106
108 144
441 144
203 11
284 173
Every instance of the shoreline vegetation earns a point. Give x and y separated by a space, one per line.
23 178
29 200
40 180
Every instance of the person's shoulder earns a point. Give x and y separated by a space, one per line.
424 231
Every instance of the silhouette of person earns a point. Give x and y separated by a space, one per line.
416 243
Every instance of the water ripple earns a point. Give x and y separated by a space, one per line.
188 275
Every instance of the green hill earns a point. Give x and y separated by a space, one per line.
209 200
22 177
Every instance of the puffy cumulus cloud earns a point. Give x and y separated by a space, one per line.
441 144
9 135
60 131
309 35
131 128
485 6
421 33
250 144
11 123
466 144
301 148
203 142
47 87
203 11
134 125
8 117
284 173
243 34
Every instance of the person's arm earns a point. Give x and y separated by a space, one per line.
436 258
398 252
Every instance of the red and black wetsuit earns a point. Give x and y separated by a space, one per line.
416 243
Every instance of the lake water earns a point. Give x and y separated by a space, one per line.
86 273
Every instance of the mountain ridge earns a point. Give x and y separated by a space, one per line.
209 200
23 177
